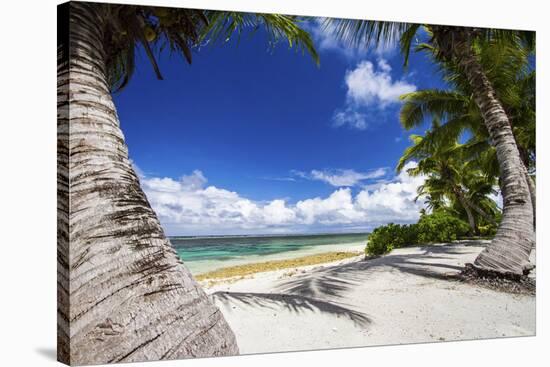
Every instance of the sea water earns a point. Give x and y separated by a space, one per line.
204 254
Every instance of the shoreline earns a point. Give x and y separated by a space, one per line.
201 267
240 271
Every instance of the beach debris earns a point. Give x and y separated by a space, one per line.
512 284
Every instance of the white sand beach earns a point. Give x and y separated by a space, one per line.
403 297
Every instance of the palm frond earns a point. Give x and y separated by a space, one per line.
181 31
419 105
224 25
406 41
371 33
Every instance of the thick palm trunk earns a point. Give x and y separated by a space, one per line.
509 251
131 298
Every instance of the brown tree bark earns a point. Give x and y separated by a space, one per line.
533 193
125 295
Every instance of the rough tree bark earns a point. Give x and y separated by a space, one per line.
533 193
131 297
508 253
530 182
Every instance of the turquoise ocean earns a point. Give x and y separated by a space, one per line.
203 254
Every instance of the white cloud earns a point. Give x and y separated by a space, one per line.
189 206
497 198
326 40
276 178
350 118
338 208
367 86
276 212
394 199
345 177
384 66
194 181
137 170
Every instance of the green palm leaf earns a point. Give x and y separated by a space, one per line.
181 31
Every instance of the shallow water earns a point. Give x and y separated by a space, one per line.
203 254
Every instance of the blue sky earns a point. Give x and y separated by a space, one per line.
250 139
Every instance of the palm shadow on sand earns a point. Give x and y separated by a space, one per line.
332 282
293 303
322 290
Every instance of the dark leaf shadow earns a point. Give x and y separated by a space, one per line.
332 282
293 303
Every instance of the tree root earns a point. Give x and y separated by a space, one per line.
503 282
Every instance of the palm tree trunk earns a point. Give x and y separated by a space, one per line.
131 297
533 193
481 212
508 253
467 209
524 155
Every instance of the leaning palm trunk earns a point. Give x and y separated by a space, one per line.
471 221
508 253
530 182
480 211
131 298
533 193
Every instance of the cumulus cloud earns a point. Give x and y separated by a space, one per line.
395 199
367 85
189 206
372 87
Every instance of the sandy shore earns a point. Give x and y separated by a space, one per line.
403 297
240 271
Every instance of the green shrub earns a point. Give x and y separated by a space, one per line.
385 238
440 227
487 231
435 227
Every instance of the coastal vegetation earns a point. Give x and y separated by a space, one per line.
491 95
451 181
438 227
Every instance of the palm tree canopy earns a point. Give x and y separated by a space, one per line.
372 33
451 180
181 30
509 68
